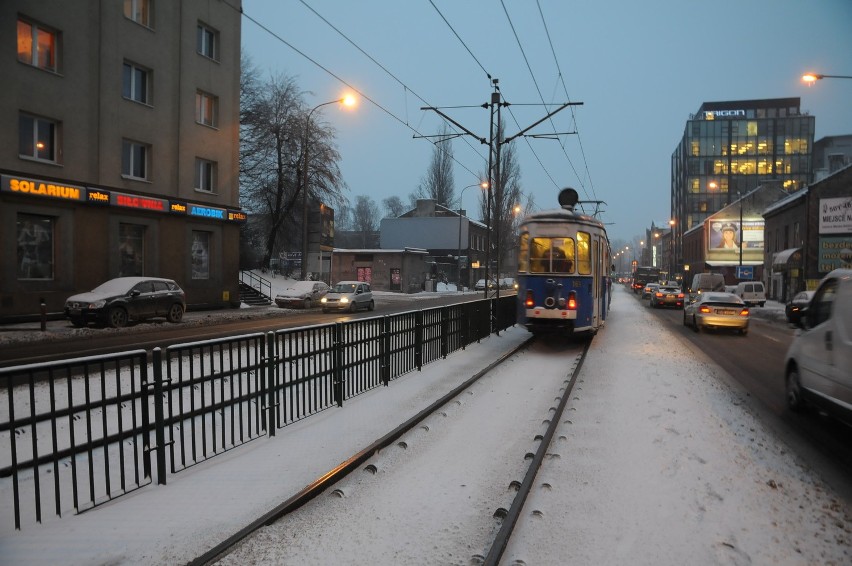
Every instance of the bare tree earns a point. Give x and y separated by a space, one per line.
365 216
438 183
394 207
273 117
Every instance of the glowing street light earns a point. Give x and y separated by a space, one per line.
347 100
484 185
811 78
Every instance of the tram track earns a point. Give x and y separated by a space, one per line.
449 409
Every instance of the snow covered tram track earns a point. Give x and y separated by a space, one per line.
446 487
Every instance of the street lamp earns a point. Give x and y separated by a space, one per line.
484 185
347 100
671 248
811 78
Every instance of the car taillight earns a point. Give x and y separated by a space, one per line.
572 301
528 302
680 295
658 294
704 310
744 312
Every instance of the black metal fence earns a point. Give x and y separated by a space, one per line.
80 432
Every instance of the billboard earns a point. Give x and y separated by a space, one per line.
725 236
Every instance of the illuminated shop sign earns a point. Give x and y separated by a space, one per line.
835 215
39 188
237 216
97 196
206 212
713 114
142 203
177 207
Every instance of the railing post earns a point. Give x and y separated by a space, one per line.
445 323
337 364
418 340
159 417
385 350
270 364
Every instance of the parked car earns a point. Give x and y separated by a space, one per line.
480 285
649 290
348 296
667 296
301 294
818 364
716 310
120 300
793 308
751 292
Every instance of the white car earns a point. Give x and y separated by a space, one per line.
818 365
302 294
348 296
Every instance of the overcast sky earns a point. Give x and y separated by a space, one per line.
638 68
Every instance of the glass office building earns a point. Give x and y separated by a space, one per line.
732 147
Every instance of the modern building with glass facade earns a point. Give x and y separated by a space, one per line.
730 148
119 148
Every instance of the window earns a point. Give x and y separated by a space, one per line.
584 260
35 246
131 250
140 11
206 109
134 159
37 138
205 175
36 46
207 42
551 255
135 83
200 253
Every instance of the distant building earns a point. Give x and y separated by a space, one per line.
456 243
403 270
120 148
729 149
831 154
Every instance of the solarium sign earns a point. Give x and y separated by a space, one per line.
34 187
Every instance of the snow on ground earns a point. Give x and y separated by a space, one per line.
663 464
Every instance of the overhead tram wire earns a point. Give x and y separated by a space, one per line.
565 89
538 89
340 79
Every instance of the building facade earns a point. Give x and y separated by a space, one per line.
119 148
729 149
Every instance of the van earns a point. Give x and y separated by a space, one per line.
817 364
751 292
703 282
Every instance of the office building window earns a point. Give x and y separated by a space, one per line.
135 84
134 159
207 42
140 11
206 109
200 253
36 45
38 138
205 175
35 246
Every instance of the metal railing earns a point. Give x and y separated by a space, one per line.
82 432
256 282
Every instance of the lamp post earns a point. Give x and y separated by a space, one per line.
347 101
671 249
484 185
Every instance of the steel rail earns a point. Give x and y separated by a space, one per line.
336 474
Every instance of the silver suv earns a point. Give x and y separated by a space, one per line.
348 296
818 365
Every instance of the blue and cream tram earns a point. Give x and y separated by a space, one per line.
563 270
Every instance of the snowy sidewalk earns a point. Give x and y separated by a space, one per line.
662 464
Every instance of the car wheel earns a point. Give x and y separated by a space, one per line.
117 317
762 304
175 313
794 390
695 325
685 323
307 304
324 311
353 307
744 331
372 305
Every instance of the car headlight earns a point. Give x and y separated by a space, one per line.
344 300
97 305
323 300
